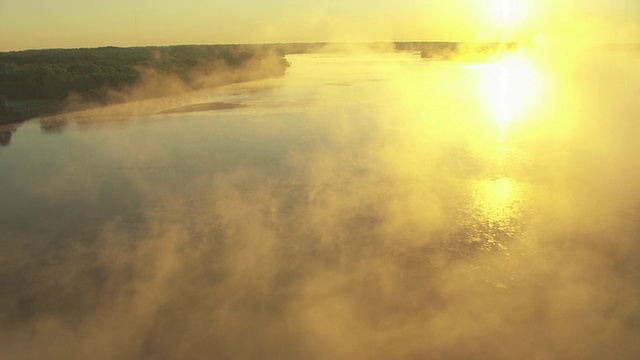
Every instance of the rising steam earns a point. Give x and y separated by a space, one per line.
346 229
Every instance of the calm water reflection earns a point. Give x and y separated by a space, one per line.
365 206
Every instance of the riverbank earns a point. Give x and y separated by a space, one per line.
37 83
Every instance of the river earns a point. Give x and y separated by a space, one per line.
364 206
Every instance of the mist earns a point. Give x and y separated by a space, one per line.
168 80
366 206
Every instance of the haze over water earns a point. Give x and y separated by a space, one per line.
365 206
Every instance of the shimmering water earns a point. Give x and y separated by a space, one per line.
363 206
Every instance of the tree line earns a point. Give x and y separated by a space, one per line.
37 82
54 74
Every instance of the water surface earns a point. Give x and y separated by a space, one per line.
363 206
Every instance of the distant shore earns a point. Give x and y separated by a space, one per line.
38 83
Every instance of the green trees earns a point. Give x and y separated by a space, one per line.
92 73
6 112
4 106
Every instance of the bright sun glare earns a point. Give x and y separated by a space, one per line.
508 13
509 88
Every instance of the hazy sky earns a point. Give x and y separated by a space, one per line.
85 23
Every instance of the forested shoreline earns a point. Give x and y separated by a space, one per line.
37 83
41 82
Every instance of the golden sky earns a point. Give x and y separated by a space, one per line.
28 24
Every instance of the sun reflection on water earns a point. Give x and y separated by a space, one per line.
497 211
509 88
497 202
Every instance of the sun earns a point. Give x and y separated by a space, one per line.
508 13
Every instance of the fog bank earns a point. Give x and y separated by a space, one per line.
389 217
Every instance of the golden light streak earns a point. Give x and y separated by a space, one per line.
509 88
